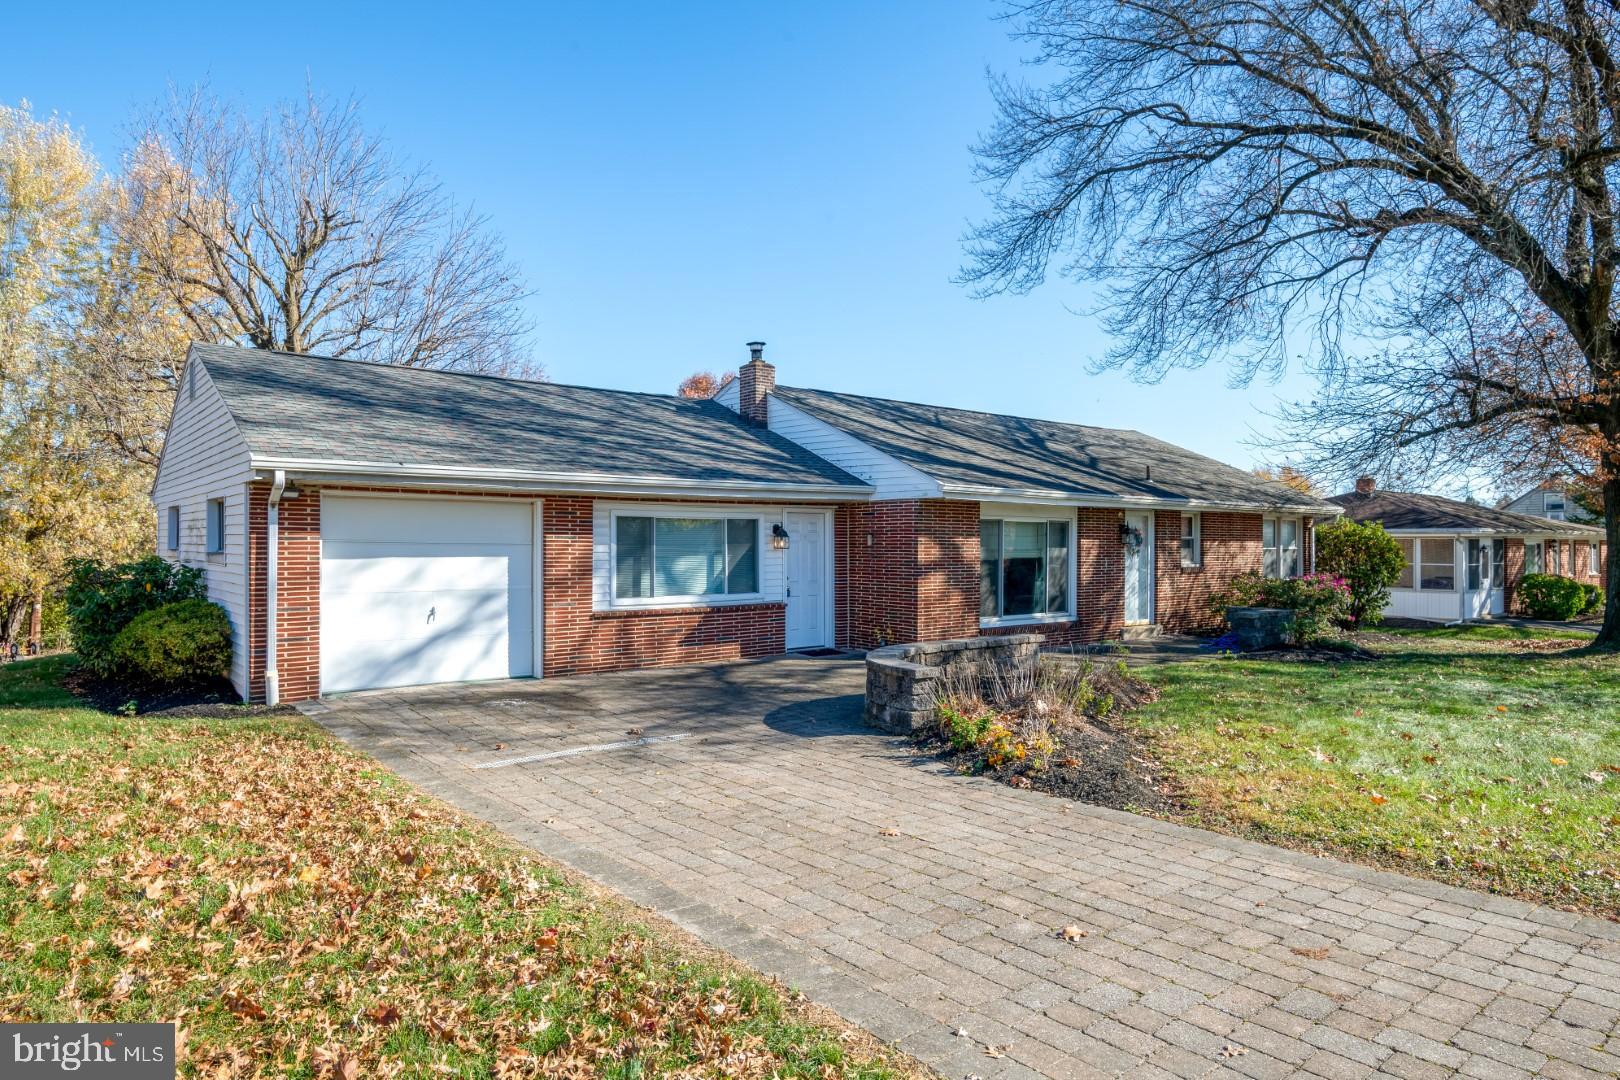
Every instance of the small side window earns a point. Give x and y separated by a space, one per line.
1192 548
216 526
174 528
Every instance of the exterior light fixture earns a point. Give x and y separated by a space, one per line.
779 537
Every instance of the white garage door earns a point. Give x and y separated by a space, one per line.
424 591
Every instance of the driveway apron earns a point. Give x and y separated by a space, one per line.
747 803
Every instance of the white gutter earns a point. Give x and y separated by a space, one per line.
1129 502
272 676
506 479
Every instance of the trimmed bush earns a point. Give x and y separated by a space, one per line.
102 600
176 644
1367 558
1595 599
1319 601
1549 596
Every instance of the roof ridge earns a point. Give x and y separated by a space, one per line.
975 412
381 366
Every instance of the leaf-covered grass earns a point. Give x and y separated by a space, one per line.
1474 755
302 912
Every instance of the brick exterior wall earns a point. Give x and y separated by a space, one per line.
1231 546
298 613
1512 571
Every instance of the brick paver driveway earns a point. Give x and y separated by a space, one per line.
766 830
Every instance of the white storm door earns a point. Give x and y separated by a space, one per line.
1139 571
418 591
809 592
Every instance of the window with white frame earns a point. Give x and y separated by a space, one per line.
1192 540
174 528
1023 568
1437 564
1553 504
675 558
1592 559
1532 556
1555 560
216 526
1405 580
1280 541
1498 563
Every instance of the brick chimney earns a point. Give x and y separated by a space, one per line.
1366 485
755 380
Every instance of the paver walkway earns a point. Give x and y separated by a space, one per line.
767 831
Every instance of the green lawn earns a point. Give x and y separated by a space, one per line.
302 912
1485 756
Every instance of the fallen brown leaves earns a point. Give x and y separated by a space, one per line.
300 911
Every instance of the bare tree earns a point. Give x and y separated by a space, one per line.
1418 191
300 231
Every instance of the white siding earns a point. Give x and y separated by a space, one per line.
204 457
892 479
770 560
727 396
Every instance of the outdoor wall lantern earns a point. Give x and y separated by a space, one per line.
779 537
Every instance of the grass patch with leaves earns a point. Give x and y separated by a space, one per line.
1472 755
302 912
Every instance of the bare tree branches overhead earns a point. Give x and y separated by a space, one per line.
300 231
1418 192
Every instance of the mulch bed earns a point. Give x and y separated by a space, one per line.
216 699
1347 652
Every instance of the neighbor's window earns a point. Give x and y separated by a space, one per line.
1554 504
684 557
174 528
1405 580
216 526
1555 557
1532 557
1023 568
1592 559
1192 549
1438 565
1498 563
1280 538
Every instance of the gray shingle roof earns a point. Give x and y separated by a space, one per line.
290 406
1408 511
986 450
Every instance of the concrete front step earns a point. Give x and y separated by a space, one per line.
1141 632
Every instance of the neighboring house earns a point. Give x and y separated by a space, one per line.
1465 561
370 526
1551 500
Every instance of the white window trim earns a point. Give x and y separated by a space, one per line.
1276 531
214 526
1592 560
1047 617
703 513
1460 581
171 526
1197 539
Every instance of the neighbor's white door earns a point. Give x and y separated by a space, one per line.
425 590
1477 568
1498 577
1139 571
809 616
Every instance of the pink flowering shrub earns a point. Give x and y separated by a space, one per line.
1319 601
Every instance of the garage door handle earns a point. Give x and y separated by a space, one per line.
432 611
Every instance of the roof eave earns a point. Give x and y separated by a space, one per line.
527 480
1130 502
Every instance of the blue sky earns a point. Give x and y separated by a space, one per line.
675 180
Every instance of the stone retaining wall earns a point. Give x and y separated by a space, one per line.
902 681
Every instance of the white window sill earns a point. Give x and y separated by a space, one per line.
1023 620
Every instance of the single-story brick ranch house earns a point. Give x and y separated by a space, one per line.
369 526
1465 561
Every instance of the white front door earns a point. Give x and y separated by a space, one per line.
809 595
1498 576
1139 569
1477 575
425 591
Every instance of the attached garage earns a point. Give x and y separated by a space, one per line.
419 590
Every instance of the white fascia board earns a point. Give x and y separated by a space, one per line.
1124 502
499 479
1537 534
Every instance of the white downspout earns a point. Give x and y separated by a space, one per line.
272 677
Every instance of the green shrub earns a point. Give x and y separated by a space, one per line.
1319 601
179 643
102 599
1595 599
1549 596
1367 558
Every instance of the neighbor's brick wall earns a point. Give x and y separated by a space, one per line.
1512 572
1231 546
